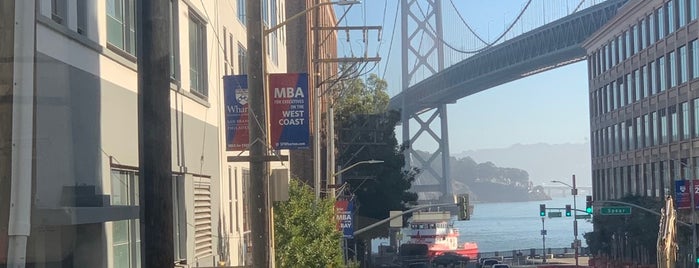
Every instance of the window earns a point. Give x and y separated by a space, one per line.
682 12
627 44
692 10
622 137
652 32
635 37
82 17
653 128
694 57
644 34
179 223
662 76
637 85
662 115
126 238
674 123
685 120
670 7
661 23
59 11
121 31
629 89
197 55
174 37
695 105
241 11
683 64
672 61
622 91
653 81
639 133
242 59
644 82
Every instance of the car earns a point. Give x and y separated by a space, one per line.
489 263
449 258
500 265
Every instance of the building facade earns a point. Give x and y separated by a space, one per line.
644 103
85 196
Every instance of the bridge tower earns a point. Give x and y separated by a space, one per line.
423 54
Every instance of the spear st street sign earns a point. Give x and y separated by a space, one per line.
615 210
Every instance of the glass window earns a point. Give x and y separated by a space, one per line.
620 47
674 123
672 62
682 12
654 128
685 120
617 139
629 89
627 44
652 31
622 91
635 38
645 82
653 82
82 17
639 133
242 59
59 11
631 143
637 85
614 50
662 116
695 105
647 129
197 55
174 56
683 64
660 13
622 137
692 10
121 31
662 74
671 22
615 96
241 11
125 234
644 34
694 51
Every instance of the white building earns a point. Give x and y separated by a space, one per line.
85 207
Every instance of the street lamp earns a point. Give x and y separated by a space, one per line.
331 181
263 253
574 193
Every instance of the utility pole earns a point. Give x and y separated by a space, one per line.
7 30
155 152
259 212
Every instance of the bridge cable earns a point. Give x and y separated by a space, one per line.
578 7
390 45
487 45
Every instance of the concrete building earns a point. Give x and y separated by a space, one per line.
644 103
85 201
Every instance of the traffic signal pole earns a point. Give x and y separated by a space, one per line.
574 192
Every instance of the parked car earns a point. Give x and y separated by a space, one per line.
500 265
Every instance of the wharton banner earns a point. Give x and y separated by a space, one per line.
683 200
235 95
288 100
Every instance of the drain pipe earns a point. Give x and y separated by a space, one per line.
22 133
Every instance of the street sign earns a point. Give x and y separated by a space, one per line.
615 210
554 214
543 232
584 216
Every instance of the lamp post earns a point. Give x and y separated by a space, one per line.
574 193
692 191
261 231
332 178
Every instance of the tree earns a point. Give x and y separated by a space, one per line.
305 232
366 131
631 237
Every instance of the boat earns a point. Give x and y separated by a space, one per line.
437 232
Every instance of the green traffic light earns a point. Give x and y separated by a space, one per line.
542 214
697 260
567 214
588 210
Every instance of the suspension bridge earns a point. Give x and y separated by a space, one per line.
439 70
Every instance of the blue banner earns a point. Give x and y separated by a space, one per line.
235 95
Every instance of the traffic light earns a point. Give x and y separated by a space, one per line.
542 210
567 210
463 205
588 206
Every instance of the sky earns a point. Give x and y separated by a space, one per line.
550 107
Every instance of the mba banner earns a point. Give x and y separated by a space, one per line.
235 95
288 100
343 216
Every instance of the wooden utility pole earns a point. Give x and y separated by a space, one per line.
7 9
259 173
155 152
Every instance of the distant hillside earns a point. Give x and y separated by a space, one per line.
487 182
543 162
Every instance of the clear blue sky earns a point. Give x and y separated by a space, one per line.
550 107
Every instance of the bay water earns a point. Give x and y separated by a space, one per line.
517 226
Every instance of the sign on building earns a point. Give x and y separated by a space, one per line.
682 194
343 215
235 95
288 100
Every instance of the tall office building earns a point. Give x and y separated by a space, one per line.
644 102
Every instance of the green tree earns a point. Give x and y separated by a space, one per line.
305 233
366 131
631 237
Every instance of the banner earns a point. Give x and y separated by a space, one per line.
682 194
288 100
343 216
235 95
